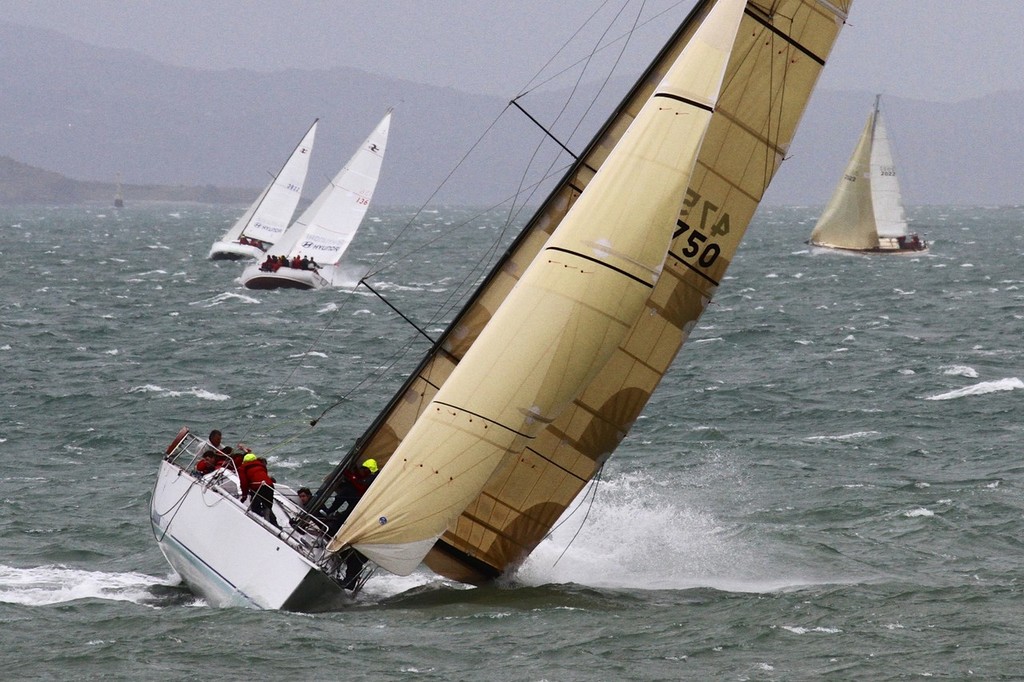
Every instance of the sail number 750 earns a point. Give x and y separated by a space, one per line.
698 244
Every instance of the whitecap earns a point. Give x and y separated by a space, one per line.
920 511
960 371
221 298
1008 384
44 585
846 436
201 393
798 630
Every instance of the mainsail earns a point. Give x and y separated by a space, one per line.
779 51
327 226
866 203
890 219
267 217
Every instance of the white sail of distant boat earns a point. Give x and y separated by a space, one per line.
323 232
536 381
866 211
265 220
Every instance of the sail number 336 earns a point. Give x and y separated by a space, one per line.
698 245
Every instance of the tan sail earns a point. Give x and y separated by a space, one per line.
780 50
848 221
559 326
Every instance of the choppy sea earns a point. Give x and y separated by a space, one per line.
828 484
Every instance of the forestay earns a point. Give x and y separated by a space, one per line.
779 52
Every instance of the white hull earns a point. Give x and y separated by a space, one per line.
231 557
887 245
284 278
234 251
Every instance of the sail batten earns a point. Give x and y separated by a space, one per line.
765 87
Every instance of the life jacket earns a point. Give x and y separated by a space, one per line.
204 466
358 481
253 474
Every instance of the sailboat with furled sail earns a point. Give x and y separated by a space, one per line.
540 376
866 212
118 195
265 220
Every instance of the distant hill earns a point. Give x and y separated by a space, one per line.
93 113
21 183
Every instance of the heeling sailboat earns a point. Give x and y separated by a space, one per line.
476 473
326 228
265 220
865 212
518 453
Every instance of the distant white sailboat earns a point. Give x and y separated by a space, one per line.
865 212
306 254
265 220
118 196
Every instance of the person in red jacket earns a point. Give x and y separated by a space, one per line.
357 479
256 481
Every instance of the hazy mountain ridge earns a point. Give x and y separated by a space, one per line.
90 113
21 183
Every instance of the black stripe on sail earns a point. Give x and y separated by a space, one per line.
789 39
684 100
601 263
692 269
480 416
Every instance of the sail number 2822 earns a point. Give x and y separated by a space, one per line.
703 217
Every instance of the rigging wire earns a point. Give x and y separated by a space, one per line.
593 499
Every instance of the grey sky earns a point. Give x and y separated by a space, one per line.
935 50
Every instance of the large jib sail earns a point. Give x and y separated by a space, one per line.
780 49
